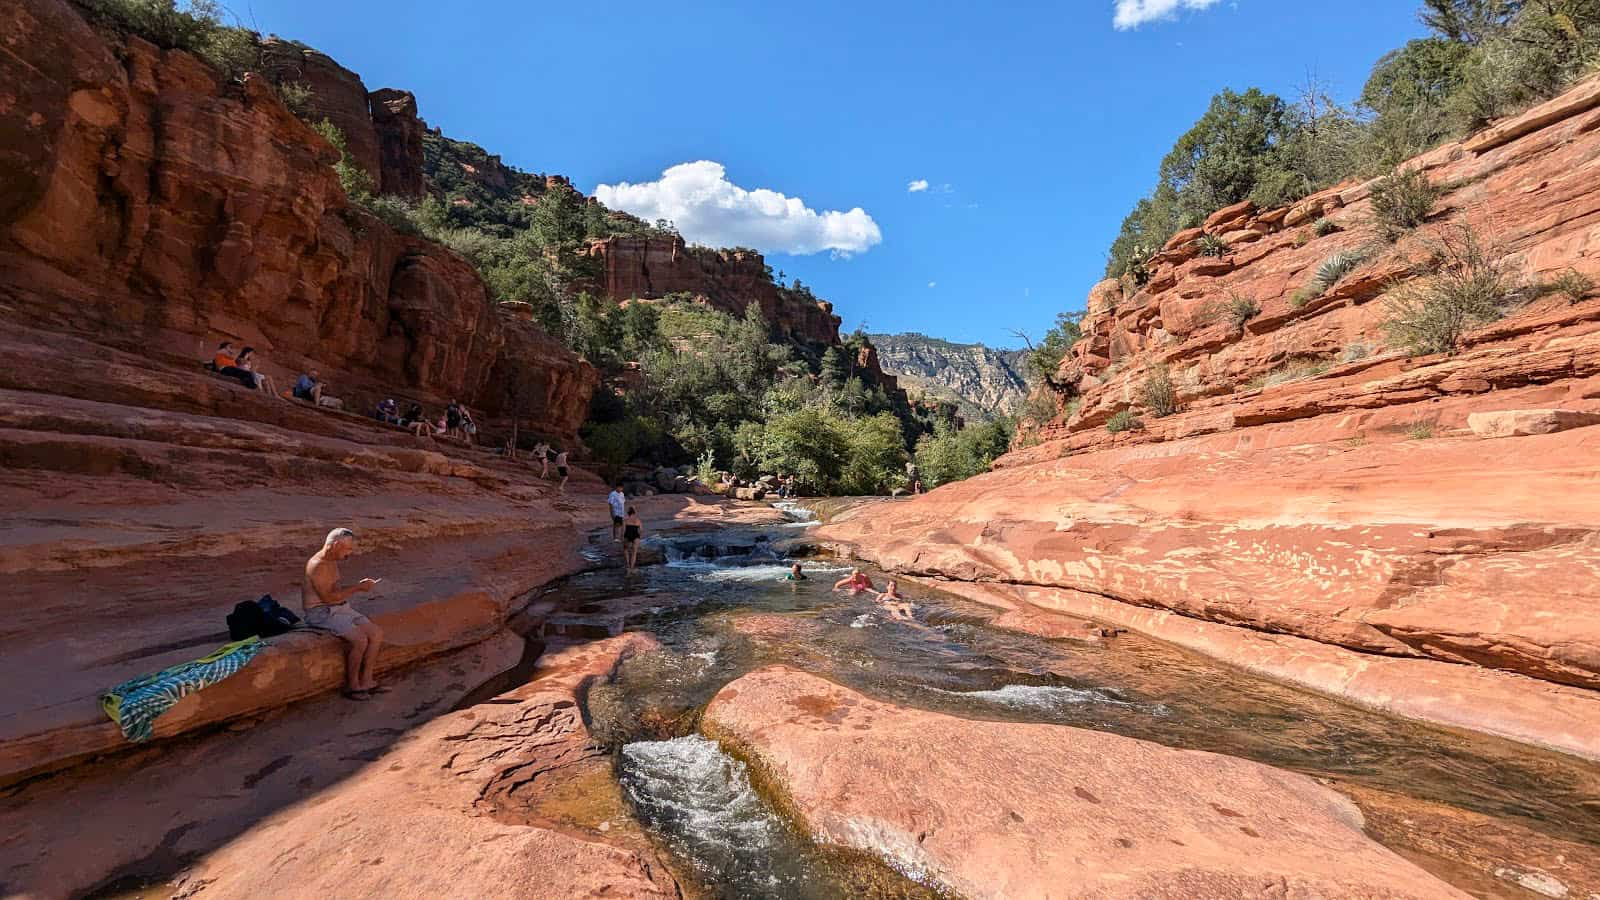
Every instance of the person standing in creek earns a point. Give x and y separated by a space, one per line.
632 530
561 471
327 608
618 501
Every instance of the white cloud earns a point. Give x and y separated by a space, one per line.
1133 13
921 184
707 208
933 284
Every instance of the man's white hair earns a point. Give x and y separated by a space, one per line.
337 535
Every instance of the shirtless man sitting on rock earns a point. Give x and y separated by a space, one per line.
327 608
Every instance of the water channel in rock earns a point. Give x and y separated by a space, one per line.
720 608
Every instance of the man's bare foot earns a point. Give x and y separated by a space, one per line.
376 688
355 694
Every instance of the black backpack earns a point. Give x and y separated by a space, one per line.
262 617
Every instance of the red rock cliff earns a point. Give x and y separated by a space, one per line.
1314 481
650 268
152 208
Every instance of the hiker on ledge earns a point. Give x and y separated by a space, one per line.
327 608
561 470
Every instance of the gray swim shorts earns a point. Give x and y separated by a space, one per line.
342 619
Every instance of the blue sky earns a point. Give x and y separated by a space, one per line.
1035 124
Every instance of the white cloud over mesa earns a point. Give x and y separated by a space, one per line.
707 208
1133 13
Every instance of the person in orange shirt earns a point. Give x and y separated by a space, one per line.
227 366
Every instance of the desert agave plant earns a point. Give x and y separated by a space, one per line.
1211 245
1336 267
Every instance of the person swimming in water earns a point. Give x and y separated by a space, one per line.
795 574
856 582
897 605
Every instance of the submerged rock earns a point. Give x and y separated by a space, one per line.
996 809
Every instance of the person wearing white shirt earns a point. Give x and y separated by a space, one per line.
619 509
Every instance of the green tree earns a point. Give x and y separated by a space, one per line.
357 183
834 368
1046 358
1468 21
805 442
951 454
1407 94
876 457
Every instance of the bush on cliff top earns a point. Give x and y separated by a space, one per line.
1485 59
199 29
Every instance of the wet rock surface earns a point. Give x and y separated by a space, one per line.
1010 810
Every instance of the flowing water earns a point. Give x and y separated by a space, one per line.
736 614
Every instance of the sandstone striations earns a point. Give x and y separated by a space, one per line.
1021 810
156 209
1308 478
649 268
982 382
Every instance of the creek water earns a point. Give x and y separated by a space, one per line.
732 612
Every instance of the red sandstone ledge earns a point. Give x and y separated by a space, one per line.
295 666
1503 704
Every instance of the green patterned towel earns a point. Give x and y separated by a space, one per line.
135 704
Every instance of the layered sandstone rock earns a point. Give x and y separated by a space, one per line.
399 132
469 804
158 210
649 268
1314 481
1017 810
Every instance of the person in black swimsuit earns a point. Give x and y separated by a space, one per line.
632 528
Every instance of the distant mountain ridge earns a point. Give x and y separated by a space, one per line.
982 381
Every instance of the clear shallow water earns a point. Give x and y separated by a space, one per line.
947 658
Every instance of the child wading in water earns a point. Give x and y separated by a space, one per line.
632 530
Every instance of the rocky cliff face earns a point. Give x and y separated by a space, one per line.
152 208
649 268
982 382
1314 481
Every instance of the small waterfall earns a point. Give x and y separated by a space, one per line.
700 800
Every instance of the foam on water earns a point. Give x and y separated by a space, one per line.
1037 696
701 800
794 510
759 573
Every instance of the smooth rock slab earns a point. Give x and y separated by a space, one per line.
1525 422
998 809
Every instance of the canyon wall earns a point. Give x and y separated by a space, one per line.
1308 477
649 268
155 209
982 382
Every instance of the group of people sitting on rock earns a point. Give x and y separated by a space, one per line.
455 423
241 366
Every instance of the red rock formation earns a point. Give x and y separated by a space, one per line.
1315 481
1006 810
468 804
337 94
160 211
399 131
652 267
